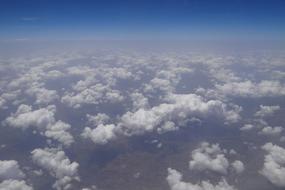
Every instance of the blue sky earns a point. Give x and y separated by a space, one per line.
142 19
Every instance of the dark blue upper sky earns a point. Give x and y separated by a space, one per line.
142 19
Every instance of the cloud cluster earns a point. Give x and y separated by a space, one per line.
179 107
9 169
252 89
58 165
266 111
92 95
271 131
175 182
43 120
101 134
212 157
209 157
14 185
11 176
274 164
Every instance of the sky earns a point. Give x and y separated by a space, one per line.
147 19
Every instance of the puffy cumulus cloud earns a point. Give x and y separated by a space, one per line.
251 89
270 131
2 102
223 75
43 96
274 164
159 84
175 182
209 157
139 100
93 187
9 169
166 78
121 73
179 107
9 96
100 118
101 134
213 157
58 165
266 110
14 185
93 95
53 74
247 127
238 166
80 71
58 131
43 120
167 126
11 176
25 117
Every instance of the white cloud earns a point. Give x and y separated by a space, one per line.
9 169
251 89
92 95
247 127
101 134
25 117
14 185
58 131
209 157
53 74
2 102
167 126
271 131
58 165
238 166
274 164
43 96
160 84
175 182
100 118
43 120
179 107
266 110
139 100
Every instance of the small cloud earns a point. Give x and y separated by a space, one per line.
22 39
30 18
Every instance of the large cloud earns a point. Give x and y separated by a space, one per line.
180 107
9 169
92 95
209 157
213 157
274 164
58 165
101 134
251 89
12 176
14 185
271 131
266 110
25 117
42 95
175 182
42 119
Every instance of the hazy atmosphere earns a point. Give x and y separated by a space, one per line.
142 95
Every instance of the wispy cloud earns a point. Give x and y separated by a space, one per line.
29 18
